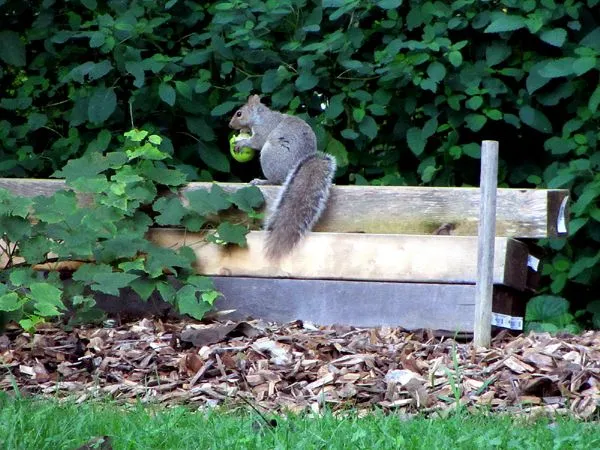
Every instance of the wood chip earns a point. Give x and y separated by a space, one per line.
296 367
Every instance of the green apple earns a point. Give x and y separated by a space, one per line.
245 154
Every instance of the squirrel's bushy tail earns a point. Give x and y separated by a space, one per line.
300 203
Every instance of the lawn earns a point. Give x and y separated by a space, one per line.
46 424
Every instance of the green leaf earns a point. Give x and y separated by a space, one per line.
535 80
472 150
37 121
544 308
559 146
30 323
576 224
46 310
583 65
592 39
228 233
146 151
10 302
199 127
210 297
12 49
11 204
474 102
213 158
102 104
335 106
338 150
21 276
111 282
90 4
504 22
99 70
582 264
16 103
455 57
164 176
136 135
35 249
560 67
247 199
201 282
45 293
15 228
184 89
594 100
496 53
223 108
171 211
197 57
594 307
389 4
358 114
475 122
306 81
167 93
144 288
415 140
270 81
368 127
535 119
555 37
166 291
136 68
493 114
189 303
513 120
54 209
349 134
100 144
97 39
208 202
436 71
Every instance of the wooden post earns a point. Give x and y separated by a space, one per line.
486 237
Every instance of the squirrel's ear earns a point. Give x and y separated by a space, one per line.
254 99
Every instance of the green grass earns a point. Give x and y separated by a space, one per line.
46 424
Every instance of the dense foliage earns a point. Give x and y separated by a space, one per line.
401 92
103 235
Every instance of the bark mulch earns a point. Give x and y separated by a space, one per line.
301 367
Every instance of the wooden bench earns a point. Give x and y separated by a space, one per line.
397 256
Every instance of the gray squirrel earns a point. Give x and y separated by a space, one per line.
288 156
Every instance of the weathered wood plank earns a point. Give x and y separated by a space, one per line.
352 303
526 213
445 309
355 256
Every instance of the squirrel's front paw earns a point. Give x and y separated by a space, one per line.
242 143
259 181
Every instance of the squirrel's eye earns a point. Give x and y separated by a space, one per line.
238 114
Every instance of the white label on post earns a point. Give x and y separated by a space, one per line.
561 226
533 262
506 321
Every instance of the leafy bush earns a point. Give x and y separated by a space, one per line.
105 232
401 92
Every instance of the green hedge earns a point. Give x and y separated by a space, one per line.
401 92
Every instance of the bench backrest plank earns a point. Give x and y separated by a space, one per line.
521 213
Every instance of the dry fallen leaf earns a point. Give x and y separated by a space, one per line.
302 367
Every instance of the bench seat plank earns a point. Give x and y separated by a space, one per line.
355 256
